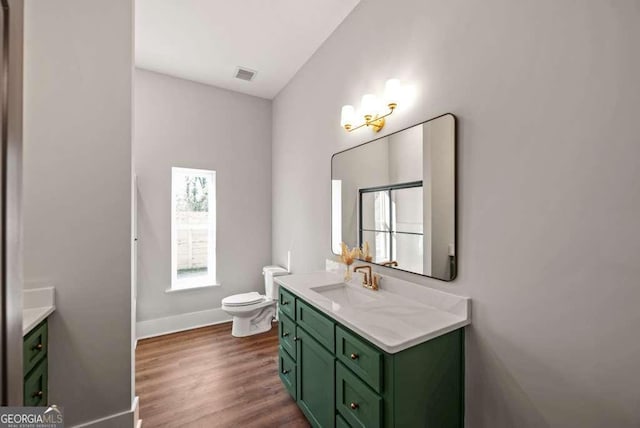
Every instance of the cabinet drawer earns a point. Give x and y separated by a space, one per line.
287 303
286 333
358 404
316 324
35 385
360 357
287 372
35 347
341 423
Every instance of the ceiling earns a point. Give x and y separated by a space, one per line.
206 40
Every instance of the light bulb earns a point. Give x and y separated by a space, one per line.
346 116
392 91
369 105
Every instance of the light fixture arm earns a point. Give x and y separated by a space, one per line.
376 123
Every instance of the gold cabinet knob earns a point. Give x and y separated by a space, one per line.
285 302
296 338
354 356
354 406
285 371
37 347
37 394
285 334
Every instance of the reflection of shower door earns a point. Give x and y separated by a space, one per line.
390 220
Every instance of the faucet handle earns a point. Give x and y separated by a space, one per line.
376 281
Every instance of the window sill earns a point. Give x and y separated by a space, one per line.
199 287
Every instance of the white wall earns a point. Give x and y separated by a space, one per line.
547 97
439 167
373 171
77 173
187 124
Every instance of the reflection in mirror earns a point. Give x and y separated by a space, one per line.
397 194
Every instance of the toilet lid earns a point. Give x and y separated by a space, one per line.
243 299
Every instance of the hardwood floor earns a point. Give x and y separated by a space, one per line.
208 378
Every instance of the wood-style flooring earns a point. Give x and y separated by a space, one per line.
208 378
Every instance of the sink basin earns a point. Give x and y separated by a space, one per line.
344 294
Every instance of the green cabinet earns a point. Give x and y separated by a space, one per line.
287 303
35 367
288 372
340 379
358 404
287 334
316 376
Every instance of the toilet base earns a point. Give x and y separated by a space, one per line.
244 326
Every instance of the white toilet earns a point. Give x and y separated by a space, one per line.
252 312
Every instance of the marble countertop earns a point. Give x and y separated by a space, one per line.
398 316
38 304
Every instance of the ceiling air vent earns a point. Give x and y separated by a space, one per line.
245 74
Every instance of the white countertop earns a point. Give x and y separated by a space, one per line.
38 304
400 315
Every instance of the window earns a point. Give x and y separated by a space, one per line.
193 228
391 222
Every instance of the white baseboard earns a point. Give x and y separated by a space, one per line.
182 322
128 418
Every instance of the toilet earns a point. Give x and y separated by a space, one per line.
253 312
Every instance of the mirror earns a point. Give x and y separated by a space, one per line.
398 195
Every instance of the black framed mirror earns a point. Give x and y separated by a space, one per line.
397 195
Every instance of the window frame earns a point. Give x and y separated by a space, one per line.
389 189
210 279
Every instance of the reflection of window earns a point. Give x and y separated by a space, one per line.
391 222
336 215
193 228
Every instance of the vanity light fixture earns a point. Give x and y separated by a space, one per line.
371 108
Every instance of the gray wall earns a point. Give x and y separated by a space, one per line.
77 174
548 99
187 124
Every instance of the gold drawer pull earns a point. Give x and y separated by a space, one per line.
37 394
37 347
354 406
354 356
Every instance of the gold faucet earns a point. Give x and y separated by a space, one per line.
390 263
370 280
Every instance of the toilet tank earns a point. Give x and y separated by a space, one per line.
270 287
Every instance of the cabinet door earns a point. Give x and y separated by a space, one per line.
35 385
359 405
287 368
287 303
316 381
35 347
287 332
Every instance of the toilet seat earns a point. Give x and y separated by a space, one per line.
244 299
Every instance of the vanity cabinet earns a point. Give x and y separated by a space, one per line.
35 365
316 380
340 379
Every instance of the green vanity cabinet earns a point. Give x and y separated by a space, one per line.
288 372
35 365
316 378
340 379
